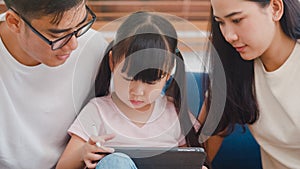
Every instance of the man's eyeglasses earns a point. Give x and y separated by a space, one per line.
60 42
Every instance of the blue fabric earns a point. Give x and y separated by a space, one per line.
116 161
239 150
195 92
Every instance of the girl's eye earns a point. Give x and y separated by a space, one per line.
151 83
154 82
127 78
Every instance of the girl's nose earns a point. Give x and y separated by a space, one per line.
137 88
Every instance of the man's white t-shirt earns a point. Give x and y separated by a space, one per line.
39 103
278 128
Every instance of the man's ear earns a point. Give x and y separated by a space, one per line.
13 21
111 62
277 9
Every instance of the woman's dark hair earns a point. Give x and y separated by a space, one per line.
149 44
32 9
241 105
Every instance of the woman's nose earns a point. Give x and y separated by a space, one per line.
229 34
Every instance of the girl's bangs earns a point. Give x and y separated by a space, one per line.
148 59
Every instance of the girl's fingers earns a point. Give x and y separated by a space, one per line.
89 164
98 141
105 150
92 140
92 160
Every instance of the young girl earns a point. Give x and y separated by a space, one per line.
142 58
257 42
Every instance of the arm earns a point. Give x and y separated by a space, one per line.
80 153
212 146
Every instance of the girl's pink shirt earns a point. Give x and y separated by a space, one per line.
161 130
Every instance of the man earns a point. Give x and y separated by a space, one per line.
48 60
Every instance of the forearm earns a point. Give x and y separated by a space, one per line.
212 146
72 157
71 161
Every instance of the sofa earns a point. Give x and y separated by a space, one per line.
239 150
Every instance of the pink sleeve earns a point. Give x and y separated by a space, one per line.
83 124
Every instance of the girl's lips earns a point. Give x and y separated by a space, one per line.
135 102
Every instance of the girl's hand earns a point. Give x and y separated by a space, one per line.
92 153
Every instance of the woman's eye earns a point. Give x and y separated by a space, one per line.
236 20
220 22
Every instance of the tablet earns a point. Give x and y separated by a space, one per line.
165 158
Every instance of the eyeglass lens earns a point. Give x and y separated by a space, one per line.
64 40
59 43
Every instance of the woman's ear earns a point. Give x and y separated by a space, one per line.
111 62
277 9
13 21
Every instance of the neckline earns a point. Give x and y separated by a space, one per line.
158 109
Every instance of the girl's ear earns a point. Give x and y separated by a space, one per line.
277 9
110 60
13 21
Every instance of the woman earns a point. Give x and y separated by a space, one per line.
257 42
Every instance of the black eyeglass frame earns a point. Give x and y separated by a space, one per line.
68 36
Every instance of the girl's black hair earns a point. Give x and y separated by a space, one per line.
241 105
149 42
